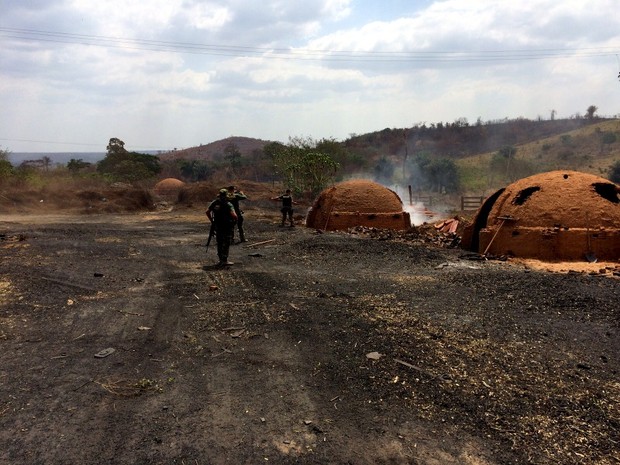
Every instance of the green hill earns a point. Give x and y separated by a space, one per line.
590 149
490 155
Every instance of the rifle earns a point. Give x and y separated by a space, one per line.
211 234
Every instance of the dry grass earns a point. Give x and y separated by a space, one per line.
579 150
126 388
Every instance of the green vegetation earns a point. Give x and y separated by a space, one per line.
432 174
195 170
384 170
233 155
6 169
441 158
121 165
305 165
77 166
614 172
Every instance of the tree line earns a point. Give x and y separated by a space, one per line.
303 164
422 156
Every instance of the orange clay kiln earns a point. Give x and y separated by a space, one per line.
358 203
553 216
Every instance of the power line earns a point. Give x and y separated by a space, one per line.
291 53
51 142
78 144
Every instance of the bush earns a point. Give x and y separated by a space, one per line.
614 172
608 138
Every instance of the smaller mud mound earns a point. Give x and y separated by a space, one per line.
168 187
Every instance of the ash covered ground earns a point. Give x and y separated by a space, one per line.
313 348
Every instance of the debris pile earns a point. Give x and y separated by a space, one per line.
448 226
442 234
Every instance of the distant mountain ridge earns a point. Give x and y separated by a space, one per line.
16 158
246 146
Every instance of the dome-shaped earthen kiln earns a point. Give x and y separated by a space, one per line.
357 203
554 216
168 187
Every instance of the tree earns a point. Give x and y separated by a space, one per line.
317 169
121 165
6 169
74 166
384 170
301 164
443 175
590 111
503 160
433 174
340 154
4 154
195 170
274 151
115 146
416 171
614 172
608 137
233 155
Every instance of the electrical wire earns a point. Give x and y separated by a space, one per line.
291 53
78 144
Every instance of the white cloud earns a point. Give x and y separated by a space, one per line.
207 16
124 18
279 68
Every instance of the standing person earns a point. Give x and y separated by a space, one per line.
222 215
234 195
287 206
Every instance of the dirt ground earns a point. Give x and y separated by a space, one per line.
313 348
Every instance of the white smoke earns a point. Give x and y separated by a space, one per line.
418 211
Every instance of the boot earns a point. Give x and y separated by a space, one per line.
242 236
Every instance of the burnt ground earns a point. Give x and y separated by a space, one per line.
271 361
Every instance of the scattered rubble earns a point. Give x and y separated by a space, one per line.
442 234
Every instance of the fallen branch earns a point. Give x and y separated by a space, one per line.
421 370
260 243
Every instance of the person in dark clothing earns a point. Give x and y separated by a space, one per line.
222 215
287 206
234 196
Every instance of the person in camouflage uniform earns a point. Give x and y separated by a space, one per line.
222 215
234 196
287 207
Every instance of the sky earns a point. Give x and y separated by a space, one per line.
165 74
